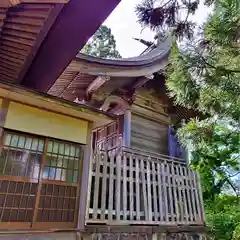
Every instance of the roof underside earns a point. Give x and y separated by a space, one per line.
39 38
73 84
39 41
22 30
103 78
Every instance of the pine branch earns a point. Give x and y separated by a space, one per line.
167 15
146 43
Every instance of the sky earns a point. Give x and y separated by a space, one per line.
124 26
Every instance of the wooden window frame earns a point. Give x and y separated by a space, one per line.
40 182
108 136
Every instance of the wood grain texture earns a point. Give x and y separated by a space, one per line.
156 197
22 30
75 24
149 135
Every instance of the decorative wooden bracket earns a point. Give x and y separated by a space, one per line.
119 109
95 85
141 81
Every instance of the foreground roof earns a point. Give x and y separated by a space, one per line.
38 38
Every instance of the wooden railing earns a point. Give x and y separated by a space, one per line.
134 187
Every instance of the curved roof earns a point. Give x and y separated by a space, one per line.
143 65
124 73
87 74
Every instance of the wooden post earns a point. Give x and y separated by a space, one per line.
84 196
199 189
184 149
118 185
44 158
3 115
154 236
127 129
3 111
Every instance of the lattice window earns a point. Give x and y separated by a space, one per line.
17 201
62 162
21 156
57 203
39 180
107 137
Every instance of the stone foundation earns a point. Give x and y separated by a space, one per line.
104 232
162 236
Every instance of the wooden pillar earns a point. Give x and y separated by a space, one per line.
127 129
184 149
3 111
85 179
3 114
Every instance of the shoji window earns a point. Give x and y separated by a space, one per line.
39 181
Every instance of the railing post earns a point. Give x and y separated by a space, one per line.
111 182
170 191
144 190
127 128
124 190
149 195
104 185
118 185
96 185
199 189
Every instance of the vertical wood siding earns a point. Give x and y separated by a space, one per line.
149 135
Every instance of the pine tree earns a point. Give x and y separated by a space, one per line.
159 15
102 44
205 75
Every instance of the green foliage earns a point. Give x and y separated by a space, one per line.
205 75
215 154
236 233
223 217
159 15
102 44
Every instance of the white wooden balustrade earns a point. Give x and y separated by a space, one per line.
132 187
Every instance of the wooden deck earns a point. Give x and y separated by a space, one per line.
135 187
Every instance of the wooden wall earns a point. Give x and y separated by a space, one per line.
149 135
149 124
44 123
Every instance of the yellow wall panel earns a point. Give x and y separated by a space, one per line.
33 120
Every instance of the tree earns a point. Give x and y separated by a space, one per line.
204 74
223 217
159 15
102 44
215 154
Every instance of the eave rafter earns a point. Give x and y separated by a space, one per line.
11 3
83 92
19 40
95 85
